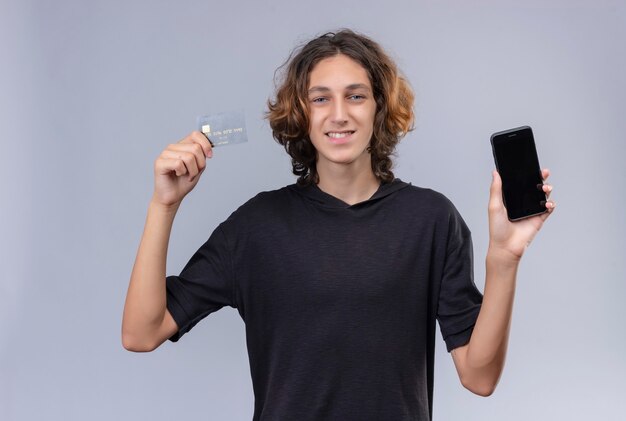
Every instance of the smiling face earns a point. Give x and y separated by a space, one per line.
341 113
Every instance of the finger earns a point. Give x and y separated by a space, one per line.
192 148
545 173
495 192
496 182
164 166
200 139
188 158
547 189
550 206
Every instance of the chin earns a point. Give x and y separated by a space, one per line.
348 158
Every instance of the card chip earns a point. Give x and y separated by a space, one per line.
224 128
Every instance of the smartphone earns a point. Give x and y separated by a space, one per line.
518 165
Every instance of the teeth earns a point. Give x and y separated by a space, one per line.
336 135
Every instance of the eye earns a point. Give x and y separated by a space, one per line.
319 99
356 97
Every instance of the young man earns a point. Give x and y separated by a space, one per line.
340 277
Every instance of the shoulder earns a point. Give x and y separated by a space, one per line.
433 208
265 206
268 199
430 206
427 199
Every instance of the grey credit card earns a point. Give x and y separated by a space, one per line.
224 128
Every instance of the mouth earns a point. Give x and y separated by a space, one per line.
340 135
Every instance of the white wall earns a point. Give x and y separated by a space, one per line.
92 91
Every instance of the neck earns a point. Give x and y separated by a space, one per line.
348 183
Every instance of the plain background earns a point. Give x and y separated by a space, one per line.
91 92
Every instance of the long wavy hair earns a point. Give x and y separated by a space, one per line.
288 113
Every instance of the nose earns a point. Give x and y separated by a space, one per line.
339 112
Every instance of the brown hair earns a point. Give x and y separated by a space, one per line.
288 114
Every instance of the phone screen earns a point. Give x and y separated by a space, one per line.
516 160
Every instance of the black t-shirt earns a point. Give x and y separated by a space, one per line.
339 301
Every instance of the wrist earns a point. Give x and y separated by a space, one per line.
502 256
166 209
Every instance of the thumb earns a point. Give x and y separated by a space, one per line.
495 192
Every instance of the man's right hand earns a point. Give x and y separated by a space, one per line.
178 169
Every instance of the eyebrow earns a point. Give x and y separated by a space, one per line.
351 87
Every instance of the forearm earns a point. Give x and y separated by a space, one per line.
480 362
146 298
494 319
482 359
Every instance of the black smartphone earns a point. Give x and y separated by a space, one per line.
518 165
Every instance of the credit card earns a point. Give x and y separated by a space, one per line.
224 128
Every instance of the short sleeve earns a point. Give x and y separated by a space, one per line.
459 299
204 285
